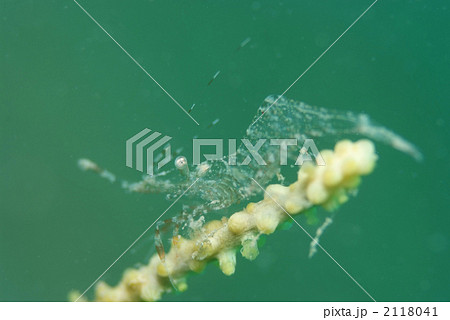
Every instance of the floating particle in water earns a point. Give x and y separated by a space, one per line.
214 77
216 121
244 42
89 165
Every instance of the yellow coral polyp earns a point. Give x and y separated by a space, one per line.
267 222
249 248
332 177
239 222
196 266
212 226
250 207
161 270
343 146
227 261
292 207
327 186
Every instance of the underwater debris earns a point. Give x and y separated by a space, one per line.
221 185
89 165
216 121
214 77
315 242
244 42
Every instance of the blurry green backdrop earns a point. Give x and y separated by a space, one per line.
67 91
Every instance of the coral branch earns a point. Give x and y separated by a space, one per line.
327 186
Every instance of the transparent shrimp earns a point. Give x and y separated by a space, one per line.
221 185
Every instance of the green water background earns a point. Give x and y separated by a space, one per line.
67 91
